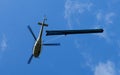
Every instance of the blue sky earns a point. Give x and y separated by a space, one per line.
89 54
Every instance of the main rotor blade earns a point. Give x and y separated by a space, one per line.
30 59
52 44
32 32
66 32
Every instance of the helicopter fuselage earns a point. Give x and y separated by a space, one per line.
38 44
37 48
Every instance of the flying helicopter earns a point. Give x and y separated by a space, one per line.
38 41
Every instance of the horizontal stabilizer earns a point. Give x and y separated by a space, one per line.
39 23
66 32
52 44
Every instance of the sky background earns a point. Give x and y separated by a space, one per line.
88 54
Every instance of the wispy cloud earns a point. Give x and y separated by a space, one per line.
105 17
99 16
73 7
88 60
105 69
108 17
106 20
3 43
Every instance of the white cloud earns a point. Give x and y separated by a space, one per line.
99 16
105 69
3 43
88 60
105 17
73 7
108 17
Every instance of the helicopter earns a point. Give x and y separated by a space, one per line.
38 41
